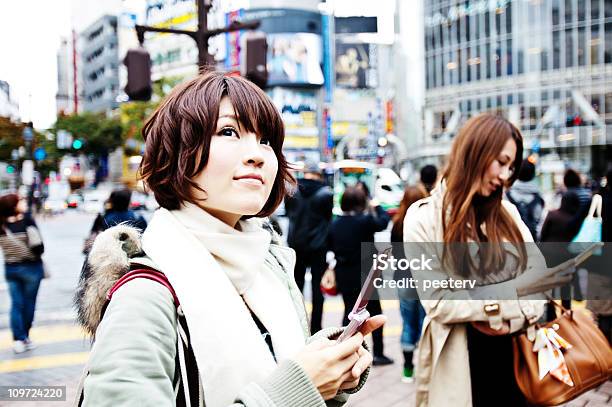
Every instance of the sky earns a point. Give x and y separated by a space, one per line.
30 32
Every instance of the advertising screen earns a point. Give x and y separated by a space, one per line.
294 59
356 65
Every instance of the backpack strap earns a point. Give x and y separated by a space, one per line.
147 273
187 382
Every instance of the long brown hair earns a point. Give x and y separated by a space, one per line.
477 145
411 195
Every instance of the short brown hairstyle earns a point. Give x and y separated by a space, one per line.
177 136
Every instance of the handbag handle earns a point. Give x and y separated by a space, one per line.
559 305
595 207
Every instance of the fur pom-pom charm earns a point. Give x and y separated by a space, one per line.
107 261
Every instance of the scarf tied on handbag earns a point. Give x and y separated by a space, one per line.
550 346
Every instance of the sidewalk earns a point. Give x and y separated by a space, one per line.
63 351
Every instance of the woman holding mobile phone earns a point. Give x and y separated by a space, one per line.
465 354
213 159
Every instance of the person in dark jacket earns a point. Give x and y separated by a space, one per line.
429 177
22 246
573 183
309 211
525 195
119 212
556 227
357 224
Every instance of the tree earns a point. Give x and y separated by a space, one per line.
11 137
99 134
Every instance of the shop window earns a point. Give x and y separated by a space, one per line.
595 9
556 12
608 108
556 49
581 47
568 11
570 48
608 43
509 57
594 45
581 8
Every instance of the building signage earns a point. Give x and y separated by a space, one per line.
356 65
299 112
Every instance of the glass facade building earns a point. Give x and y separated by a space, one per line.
546 65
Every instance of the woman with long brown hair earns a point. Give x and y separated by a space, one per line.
465 353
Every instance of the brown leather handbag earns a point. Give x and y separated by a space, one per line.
588 359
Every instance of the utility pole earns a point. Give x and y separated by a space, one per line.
202 35
27 166
75 76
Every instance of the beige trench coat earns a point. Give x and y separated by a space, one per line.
443 370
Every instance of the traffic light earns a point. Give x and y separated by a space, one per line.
254 62
138 63
77 144
10 169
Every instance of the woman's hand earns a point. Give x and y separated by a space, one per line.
365 357
485 328
332 367
538 281
329 365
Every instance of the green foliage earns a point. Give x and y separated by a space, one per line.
99 133
10 137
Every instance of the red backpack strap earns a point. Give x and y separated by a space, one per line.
149 274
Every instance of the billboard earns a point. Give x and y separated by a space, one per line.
299 112
356 65
294 59
295 45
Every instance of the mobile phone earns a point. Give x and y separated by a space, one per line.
588 252
359 314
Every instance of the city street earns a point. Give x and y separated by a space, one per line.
63 348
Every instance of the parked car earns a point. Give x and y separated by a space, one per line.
74 201
139 201
54 206
93 202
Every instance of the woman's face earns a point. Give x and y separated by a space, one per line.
240 172
500 170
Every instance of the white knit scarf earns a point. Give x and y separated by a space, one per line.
210 265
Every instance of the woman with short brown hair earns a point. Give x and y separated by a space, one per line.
465 353
214 161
